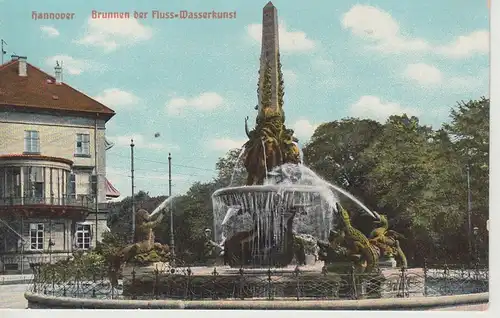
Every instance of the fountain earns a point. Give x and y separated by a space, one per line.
261 228
285 216
256 222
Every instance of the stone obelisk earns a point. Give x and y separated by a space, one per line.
269 56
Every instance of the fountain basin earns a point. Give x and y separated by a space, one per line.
256 222
237 209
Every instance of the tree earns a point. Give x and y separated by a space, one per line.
193 211
398 161
335 151
231 168
469 132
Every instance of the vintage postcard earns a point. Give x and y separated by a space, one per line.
284 155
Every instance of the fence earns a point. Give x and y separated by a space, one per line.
194 283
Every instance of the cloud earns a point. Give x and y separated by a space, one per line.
140 142
383 31
114 97
49 31
72 65
372 107
304 129
110 34
432 77
423 74
289 41
378 26
204 102
289 77
225 144
476 42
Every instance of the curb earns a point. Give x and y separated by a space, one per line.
15 281
417 303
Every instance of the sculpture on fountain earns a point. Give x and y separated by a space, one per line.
357 243
348 246
388 241
213 251
144 250
270 144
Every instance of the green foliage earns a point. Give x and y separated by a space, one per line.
80 267
229 166
267 87
412 173
335 150
281 85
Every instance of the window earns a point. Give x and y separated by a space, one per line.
82 144
72 185
34 182
3 192
13 182
83 236
11 267
93 185
31 141
36 236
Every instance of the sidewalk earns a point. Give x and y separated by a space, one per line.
15 279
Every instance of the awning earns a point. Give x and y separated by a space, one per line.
111 191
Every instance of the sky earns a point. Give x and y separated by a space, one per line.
193 82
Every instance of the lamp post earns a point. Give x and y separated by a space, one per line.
172 244
469 212
132 177
476 241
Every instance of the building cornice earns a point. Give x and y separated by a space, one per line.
38 109
20 157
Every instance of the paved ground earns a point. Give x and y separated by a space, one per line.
12 296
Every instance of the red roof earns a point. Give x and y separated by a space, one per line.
38 90
111 191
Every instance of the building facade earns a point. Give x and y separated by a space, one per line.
53 186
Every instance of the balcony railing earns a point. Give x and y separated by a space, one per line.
86 201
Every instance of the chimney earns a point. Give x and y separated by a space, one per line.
23 69
58 73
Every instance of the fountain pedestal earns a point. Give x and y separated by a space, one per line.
139 280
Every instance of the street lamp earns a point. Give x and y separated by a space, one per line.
133 187
469 211
476 239
172 244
